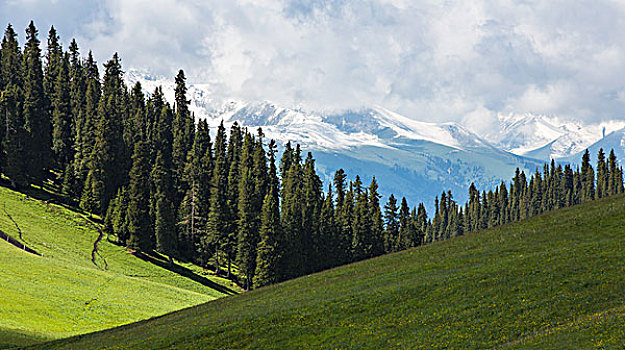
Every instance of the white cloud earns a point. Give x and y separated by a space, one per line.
428 59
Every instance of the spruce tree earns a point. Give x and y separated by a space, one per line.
183 129
36 117
139 223
14 139
62 138
602 176
328 250
268 250
615 184
162 178
587 179
193 210
312 192
391 221
85 126
228 243
377 223
247 228
217 230
107 164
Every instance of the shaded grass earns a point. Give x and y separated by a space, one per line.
554 281
62 293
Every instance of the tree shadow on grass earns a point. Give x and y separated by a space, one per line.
183 271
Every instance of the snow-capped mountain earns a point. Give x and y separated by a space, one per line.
545 138
409 158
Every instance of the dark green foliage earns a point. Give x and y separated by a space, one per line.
248 220
14 137
269 250
62 137
116 221
36 117
194 208
217 230
107 164
183 129
391 220
139 225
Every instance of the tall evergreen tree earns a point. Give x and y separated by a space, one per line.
217 229
162 178
14 136
139 223
312 191
62 138
587 178
108 160
183 131
391 220
268 249
602 176
247 229
37 120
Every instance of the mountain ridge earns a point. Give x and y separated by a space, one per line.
410 158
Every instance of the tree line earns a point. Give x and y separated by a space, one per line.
222 198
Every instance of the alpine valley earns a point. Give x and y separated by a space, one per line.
414 159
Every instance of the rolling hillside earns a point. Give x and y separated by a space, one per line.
555 281
67 291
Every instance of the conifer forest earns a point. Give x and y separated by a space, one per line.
227 199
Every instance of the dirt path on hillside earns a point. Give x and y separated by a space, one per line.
95 252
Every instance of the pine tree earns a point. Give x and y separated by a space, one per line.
247 228
62 138
602 176
269 250
193 210
342 219
54 56
293 260
162 178
85 126
139 223
37 120
328 249
615 185
587 179
228 243
14 139
107 163
375 239
391 220
312 192
361 229
116 221
405 226
165 220
217 230
183 130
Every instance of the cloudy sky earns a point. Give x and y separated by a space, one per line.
428 59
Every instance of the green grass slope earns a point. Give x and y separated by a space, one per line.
555 281
63 293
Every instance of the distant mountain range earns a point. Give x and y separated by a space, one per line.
409 158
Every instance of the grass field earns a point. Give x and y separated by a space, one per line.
556 281
63 293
